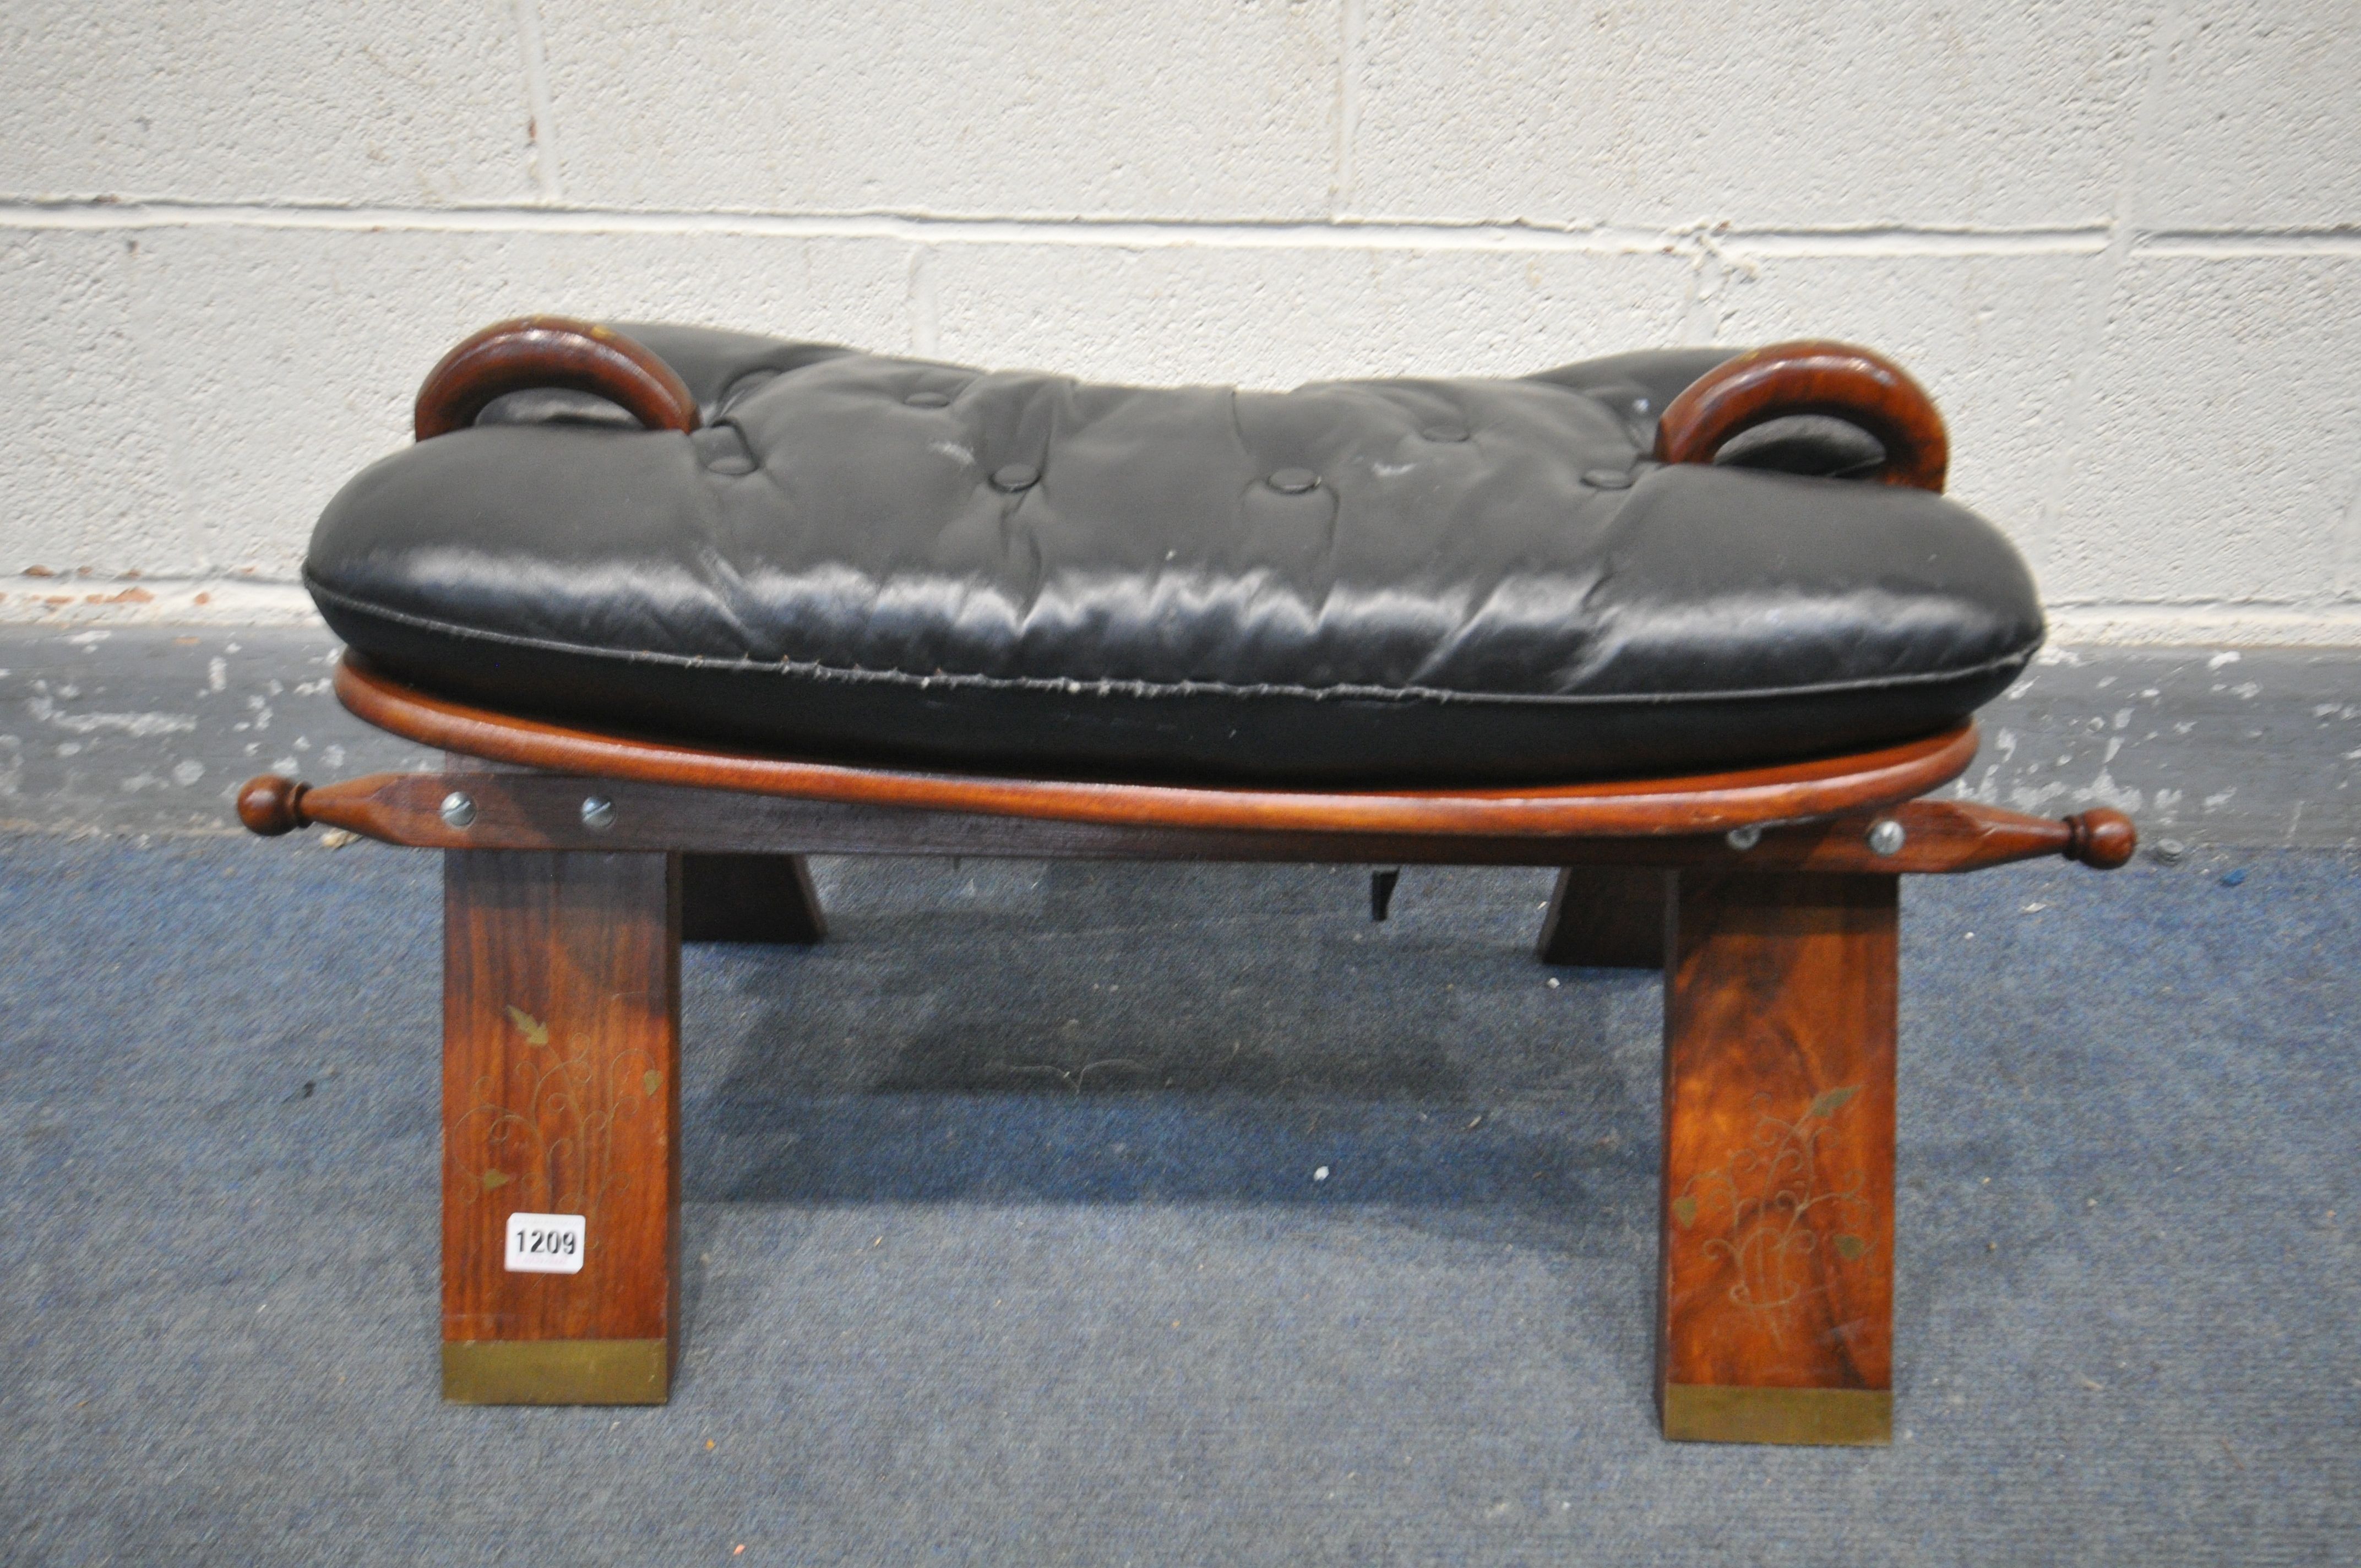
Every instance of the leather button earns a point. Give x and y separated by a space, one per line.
723 450
1294 481
1607 479
1016 476
1444 433
929 399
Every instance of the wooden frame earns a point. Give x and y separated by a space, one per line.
578 862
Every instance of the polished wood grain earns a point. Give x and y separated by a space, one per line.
1607 917
513 810
551 351
1811 377
1776 1268
749 898
1703 802
561 1095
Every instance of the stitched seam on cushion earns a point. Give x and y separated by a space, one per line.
853 673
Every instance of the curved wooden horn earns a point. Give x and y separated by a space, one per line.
1812 377
551 351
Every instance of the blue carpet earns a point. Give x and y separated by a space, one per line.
1004 1245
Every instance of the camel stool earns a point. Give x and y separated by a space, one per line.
585 837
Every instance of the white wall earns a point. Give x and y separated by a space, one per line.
2121 242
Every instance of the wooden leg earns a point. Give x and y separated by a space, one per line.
561 1112
1775 1306
749 898
1607 917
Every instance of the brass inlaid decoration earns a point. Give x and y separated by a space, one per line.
557 1372
1768 1203
1696 1413
562 1132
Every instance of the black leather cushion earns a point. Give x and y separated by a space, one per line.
889 560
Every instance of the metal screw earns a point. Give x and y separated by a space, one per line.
2169 852
597 813
1886 837
1743 839
457 809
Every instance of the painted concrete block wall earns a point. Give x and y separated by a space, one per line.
2121 242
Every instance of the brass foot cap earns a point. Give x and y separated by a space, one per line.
1700 1412
557 1372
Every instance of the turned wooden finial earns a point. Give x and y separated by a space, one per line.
270 805
2103 838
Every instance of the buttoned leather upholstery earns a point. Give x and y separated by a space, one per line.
1449 581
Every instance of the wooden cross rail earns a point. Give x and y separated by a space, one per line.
464 810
